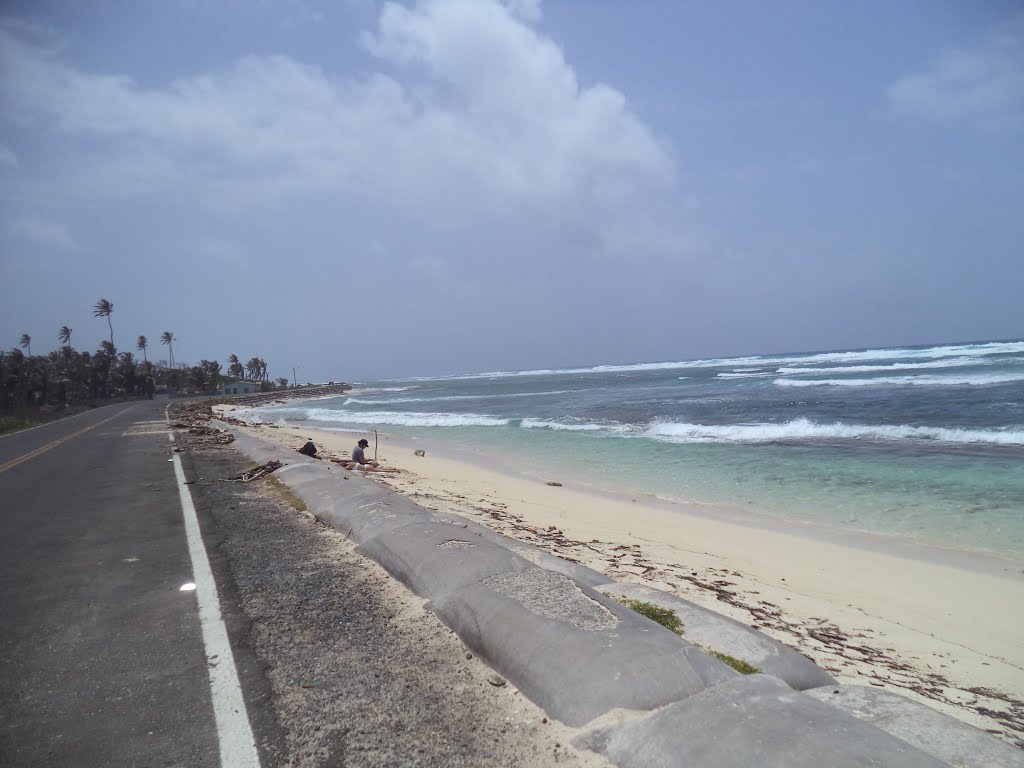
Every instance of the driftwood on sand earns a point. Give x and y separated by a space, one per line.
257 472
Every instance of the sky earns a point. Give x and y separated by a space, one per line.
358 189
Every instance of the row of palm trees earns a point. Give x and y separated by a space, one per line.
67 376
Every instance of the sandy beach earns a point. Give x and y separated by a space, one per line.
938 625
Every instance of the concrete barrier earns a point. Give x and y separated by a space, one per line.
571 650
755 720
435 557
939 735
715 631
544 559
577 653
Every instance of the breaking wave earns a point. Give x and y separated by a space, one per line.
745 375
953 363
981 380
804 429
449 398
563 427
893 353
397 419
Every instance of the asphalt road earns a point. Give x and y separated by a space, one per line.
102 658
101 654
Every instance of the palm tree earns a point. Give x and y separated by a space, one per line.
64 334
104 308
235 367
211 370
167 338
26 341
141 346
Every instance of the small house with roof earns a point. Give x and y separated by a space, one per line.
241 387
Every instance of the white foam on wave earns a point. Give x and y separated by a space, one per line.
448 398
894 353
396 418
958 362
745 375
380 401
564 427
980 380
804 429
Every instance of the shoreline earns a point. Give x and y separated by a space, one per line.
866 610
892 544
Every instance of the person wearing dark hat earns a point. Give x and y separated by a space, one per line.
359 457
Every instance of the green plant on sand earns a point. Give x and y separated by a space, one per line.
667 618
738 664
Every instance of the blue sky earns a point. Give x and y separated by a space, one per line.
370 189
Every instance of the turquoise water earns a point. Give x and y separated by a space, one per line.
921 442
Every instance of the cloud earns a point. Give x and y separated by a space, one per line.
483 124
982 85
7 158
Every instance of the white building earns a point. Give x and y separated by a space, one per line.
241 387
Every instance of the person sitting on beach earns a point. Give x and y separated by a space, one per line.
373 467
359 457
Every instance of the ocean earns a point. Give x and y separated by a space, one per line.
921 442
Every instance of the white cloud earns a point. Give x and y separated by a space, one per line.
7 158
487 122
983 85
526 9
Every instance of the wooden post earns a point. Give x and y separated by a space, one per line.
375 445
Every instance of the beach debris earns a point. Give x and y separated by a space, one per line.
496 680
309 449
257 472
557 485
419 452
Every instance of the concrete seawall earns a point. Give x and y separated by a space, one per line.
551 627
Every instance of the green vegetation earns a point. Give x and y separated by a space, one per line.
38 388
285 494
668 619
12 424
738 664
663 616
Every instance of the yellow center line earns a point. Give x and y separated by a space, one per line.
43 449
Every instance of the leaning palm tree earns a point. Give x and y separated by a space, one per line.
104 308
26 342
235 367
141 346
167 338
64 334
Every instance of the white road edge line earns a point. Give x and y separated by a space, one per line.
234 734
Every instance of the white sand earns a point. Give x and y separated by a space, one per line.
941 626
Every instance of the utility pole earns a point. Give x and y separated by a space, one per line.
295 381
